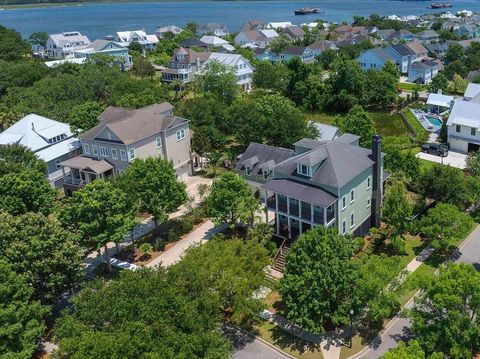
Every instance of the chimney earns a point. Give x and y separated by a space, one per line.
33 127
377 180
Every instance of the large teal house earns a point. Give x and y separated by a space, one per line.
107 47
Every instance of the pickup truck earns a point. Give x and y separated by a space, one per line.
435 149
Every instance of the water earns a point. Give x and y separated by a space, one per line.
98 20
435 121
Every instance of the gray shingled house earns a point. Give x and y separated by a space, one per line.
321 183
125 134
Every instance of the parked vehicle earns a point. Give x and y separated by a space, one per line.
435 149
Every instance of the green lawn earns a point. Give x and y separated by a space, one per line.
410 87
422 134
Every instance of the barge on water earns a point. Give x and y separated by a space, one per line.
442 5
307 11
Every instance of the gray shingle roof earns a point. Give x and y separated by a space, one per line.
263 156
294 50
300 191
402 49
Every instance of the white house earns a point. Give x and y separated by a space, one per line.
279 25
438 103
213 41
259 38
464 121
50 140
125 38
243 68
213 28
63 45
171 29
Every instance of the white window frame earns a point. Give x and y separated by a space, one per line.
344 202
114 154
103 151
123 155
86 148
180 134
352 196
158 142
369 182
132 154
369 202
57 163
352 220
300 169
94 150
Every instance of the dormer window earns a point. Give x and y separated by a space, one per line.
248 170
304 170
266 174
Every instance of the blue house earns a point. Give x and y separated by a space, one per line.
403 56
469 30
422 71
262 54
302 52
107 47
374 58
401 35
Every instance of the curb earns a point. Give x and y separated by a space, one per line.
265 342
391 322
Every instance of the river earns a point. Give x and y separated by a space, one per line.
98 20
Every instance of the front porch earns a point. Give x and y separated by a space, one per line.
83 170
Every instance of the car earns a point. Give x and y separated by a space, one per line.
435 149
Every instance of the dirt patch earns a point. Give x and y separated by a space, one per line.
135 256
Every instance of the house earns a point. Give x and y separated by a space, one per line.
472 75
320 46
401 35
263 54
253 25
243 68
342 42
52 141
472 91
106 47
422 71
259 38
403 56
437 50
464 126
301 52
183 65
213 41
326 132
193 42
439 103
418 49
335 184
279 25
213 28
384 34
124 135
63 45
55 63
293 33
148 42
468 30
374 58
428 36
172 30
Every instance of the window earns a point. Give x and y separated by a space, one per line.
94 150
473 132
158 142
344 227
344 202
114 153
457 128
103 151
86 148
248 170
131 154
352 220
123 155
368 203
57 163
266 174
304 170
369 184
352 196
180 134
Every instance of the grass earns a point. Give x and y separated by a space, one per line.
287 342
422 134
357 345
328 119
410 86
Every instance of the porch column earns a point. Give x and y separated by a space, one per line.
277 222
266 206
288 210
289 227
311 212
324 217
63 173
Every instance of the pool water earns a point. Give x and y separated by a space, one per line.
435 121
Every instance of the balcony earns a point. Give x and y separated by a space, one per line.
73 181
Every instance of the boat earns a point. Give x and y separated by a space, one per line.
307 11
439 5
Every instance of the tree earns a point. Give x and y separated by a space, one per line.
445 315
143 68
439 82
455 67
26 191
38 39
326 58
358 122
219 80
121 319
443 184
21 317
381 88
411 350
192 27
455 52
279 44
231 200
154 184
458 85
402 163
318 279
473 163
146 249
16 158
84 116
38 248
270 76
8 117
443 224
396 207
12 46
100 213
136 48
214 159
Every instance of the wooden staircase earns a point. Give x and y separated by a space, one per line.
279 261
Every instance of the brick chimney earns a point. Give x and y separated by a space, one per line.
377 180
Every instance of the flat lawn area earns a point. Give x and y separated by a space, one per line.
422 134
322 118
357 345
389 125
287 342
410 87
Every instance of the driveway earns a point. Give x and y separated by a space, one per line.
454 159
399 328
247 347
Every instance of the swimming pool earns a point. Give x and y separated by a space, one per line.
435 121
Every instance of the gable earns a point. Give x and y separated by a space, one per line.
107 134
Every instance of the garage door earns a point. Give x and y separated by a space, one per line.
473 147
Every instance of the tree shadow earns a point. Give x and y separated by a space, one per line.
283 339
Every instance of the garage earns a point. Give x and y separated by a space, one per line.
473 147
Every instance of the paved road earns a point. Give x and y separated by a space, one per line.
398 329
247 347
